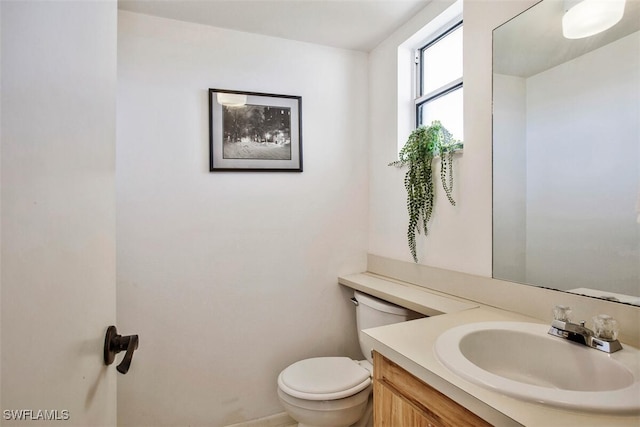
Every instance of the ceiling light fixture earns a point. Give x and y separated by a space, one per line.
584 18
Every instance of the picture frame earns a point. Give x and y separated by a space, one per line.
254 132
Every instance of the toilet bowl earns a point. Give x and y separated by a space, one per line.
336 391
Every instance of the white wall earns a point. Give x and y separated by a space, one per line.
58 208
389 121
460 236
509 177
230 277
583 135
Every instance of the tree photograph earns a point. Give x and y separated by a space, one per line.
256 132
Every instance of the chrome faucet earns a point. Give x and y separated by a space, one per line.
604 338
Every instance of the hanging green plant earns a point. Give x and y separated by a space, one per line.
425 143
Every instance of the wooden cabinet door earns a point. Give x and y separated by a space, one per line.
402 400
392 410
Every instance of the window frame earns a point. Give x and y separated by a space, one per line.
420 98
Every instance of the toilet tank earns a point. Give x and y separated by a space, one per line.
372 312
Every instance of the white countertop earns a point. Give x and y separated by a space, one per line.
416 298
410 345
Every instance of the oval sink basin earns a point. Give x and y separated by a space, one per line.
521 360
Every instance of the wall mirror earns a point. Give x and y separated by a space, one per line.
566 154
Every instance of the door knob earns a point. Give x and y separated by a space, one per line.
114 344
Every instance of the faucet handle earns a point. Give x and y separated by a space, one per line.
605 327
562 313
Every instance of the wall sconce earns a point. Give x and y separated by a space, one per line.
584 18
231 99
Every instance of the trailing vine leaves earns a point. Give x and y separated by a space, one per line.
425 143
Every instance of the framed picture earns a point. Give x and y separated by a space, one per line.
251 131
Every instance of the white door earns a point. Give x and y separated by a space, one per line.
58 92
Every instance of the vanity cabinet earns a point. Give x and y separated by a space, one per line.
400 399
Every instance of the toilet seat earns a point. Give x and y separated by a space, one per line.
324 378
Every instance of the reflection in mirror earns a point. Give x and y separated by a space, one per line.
566 155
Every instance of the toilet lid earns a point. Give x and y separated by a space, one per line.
324 378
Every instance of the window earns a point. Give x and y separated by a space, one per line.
439 81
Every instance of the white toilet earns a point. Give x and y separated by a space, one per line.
335 391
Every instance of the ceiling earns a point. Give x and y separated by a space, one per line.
349 24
